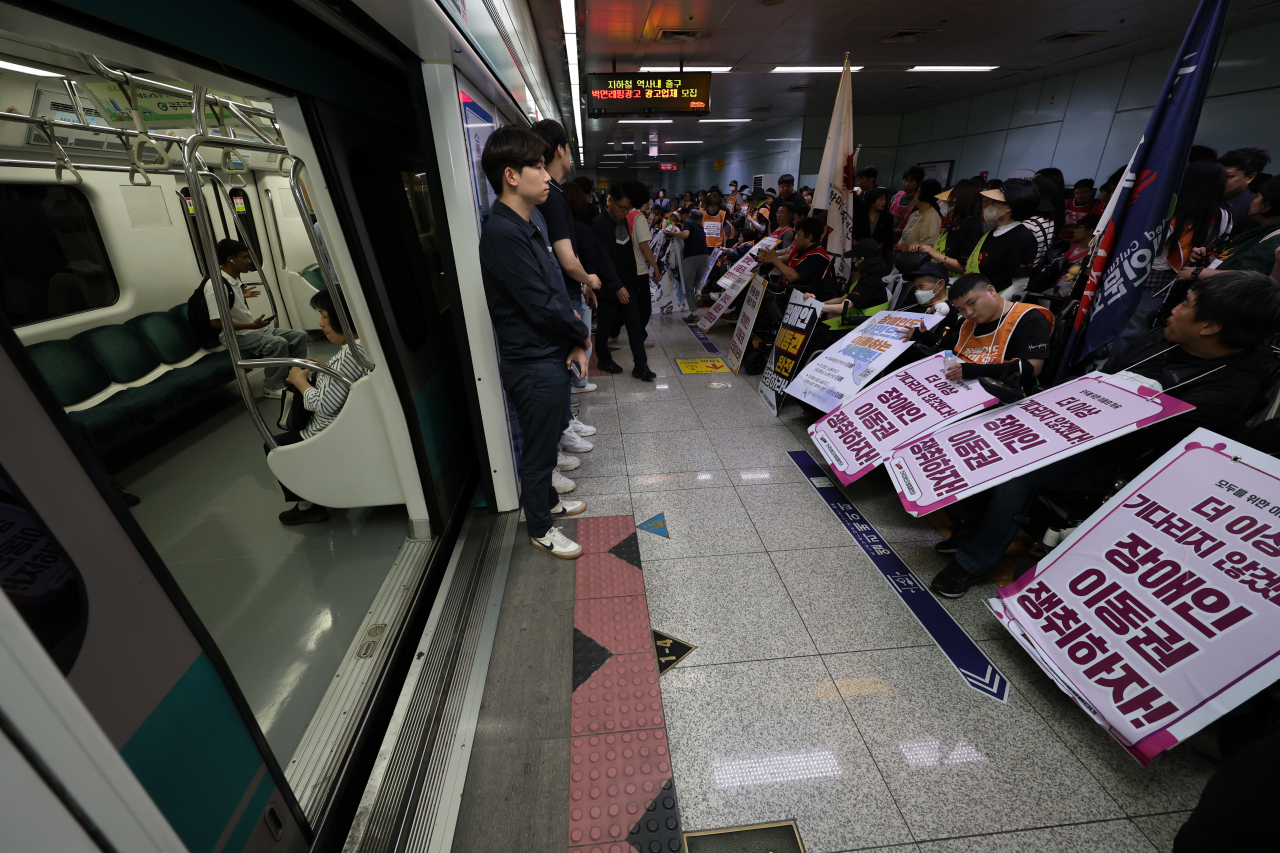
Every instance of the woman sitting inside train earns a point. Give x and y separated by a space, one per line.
324 397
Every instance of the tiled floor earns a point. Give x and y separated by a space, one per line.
813 694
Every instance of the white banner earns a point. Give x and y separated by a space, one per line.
1160 613
850 364
833 190
746 322
737 277
668 293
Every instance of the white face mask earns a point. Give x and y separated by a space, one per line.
990 214
944 207
924 297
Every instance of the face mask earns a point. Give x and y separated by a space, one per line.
924 297
990 214
944 208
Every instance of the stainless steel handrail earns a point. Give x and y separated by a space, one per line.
248 244
322 257
99 68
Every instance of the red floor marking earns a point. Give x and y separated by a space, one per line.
600 575
601 534
621 696
618 751
613 778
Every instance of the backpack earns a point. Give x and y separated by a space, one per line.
198 315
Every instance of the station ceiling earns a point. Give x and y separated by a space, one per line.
1027 39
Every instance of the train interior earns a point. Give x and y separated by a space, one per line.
409 674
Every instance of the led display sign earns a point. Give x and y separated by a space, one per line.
648 94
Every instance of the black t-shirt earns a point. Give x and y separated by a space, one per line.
866 292
555 210
811 268
1030 338
962 237
1004 257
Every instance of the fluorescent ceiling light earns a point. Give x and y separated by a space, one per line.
724 120
675 69
645 121
785 139
615 155
813 69
27 69
954 68
683 142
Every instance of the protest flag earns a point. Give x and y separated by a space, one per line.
1132 230
834 189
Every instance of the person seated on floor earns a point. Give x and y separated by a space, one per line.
1214 354
806 265
996 336
864 296
929 283
322 396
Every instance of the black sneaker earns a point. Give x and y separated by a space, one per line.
950 546
953 581
304 516
643 373
692 318
609 366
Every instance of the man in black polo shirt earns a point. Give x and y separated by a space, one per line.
539 338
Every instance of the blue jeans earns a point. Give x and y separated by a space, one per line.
996 527
539 392
585 313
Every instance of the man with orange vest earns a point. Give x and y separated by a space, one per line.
996 333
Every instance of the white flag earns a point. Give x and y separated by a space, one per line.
839 161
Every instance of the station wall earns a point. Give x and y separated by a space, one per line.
1086 123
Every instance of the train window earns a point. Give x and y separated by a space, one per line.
52 258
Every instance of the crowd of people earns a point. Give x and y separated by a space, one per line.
1000 262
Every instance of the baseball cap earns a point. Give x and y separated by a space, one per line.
929 269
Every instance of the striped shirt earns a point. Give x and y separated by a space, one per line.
325 399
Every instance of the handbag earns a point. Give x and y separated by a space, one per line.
293 414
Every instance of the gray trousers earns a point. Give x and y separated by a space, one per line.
273 343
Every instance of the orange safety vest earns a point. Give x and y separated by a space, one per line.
989 349
714 224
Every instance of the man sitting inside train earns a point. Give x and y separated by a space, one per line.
254 335
1214 354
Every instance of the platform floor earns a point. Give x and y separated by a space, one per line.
812 693
282 603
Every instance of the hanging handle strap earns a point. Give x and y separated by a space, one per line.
144 137
61 160
230 156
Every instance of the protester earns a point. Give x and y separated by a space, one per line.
617 272
868 178
787 193
929 283
997 336
1212 354
864 296
1198 220
1006 255
1201 154
807 264
1047 219
902 205
696 259
539 338
874 221
1082 204
1243 166
963 230
1252 248
785 232
925 223
715 221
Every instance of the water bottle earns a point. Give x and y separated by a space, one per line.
949 360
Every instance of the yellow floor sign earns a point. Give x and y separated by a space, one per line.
702 365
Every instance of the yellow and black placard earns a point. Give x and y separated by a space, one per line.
702 365
670 651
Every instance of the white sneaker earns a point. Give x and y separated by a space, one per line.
585 389
565 507
557 544
273 394
563 485
580 428
565 462
575 443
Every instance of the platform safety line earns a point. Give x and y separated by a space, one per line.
707 343
970 661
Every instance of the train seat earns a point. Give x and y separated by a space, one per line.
120 379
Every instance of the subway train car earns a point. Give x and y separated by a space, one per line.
233 625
